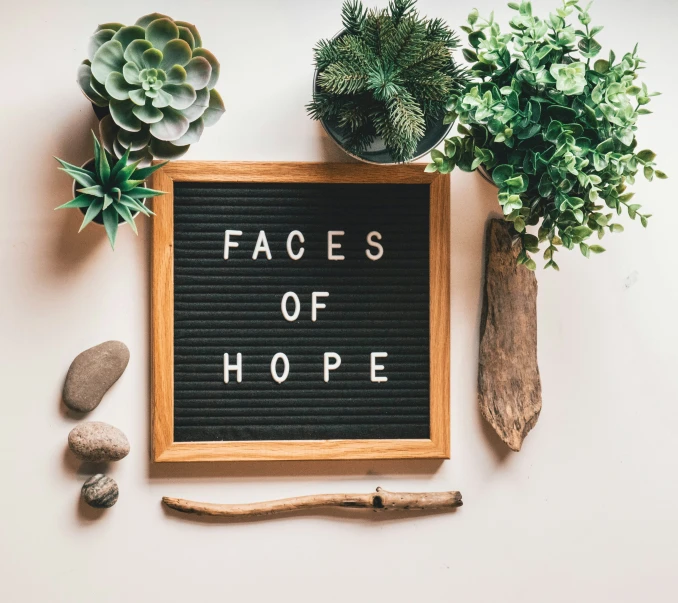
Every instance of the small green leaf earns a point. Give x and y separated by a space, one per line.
646 155
476 38
601 66
606 146
111 224
83 179
469 55
92 212
135 205
79 201
144 173
661 175
96 191
124 211
581 232
596 249
437 156
143 193
502 173
128 185
125 173
122 162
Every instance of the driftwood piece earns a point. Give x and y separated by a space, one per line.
509 387
381 500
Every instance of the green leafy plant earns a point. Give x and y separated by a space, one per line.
388 74
158 83
555 129
112 191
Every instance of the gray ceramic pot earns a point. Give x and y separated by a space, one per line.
89 165
377 152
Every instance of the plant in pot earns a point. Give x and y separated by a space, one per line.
110 192
552 127
152 86
381 84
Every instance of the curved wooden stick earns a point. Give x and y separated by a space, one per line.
381 500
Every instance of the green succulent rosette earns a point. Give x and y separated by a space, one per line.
158 83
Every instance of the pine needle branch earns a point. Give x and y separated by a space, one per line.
353 16
389 74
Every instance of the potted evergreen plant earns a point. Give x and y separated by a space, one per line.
109 192
552 127
381 84
152 86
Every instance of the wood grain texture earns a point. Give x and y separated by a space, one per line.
333 173
162 315
509 386
439 319
164 448
381 500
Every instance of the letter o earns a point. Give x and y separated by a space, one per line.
297 306
286 367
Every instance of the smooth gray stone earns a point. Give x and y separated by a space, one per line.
100 491
98 442
92 374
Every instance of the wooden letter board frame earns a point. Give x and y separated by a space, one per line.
164 448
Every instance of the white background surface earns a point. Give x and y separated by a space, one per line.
585 512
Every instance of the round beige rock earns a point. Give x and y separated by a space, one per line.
97 442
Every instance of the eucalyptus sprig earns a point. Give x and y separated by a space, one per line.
113 189
555 129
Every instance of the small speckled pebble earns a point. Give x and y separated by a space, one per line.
100 491
98 442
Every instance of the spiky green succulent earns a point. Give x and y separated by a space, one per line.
113 192
158 84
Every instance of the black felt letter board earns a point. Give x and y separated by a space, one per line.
234 306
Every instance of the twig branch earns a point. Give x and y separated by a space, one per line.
381 500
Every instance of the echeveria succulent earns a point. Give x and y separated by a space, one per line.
113 190
158 83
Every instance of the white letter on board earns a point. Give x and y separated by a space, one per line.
330 367
374 367
228 243
295 256
286 367
332 245
262 245
297 306
373 243
237 367
315 306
